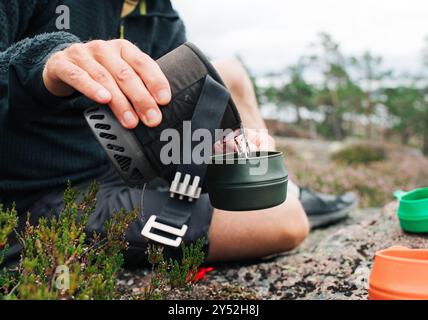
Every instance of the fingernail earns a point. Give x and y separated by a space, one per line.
103 94
129 118
163 96
153 116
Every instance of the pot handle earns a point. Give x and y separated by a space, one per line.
398 194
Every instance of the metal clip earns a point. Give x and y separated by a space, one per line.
185 189
153 224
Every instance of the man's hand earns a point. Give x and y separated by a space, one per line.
113 72
258 140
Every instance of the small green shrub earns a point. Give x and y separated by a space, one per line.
359 154
168 275
8 223
60 261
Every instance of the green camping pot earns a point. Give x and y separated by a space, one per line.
413 210
237 182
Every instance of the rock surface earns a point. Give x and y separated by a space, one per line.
332 263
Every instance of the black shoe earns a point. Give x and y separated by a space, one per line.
325 209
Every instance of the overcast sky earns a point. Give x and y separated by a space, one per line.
269 34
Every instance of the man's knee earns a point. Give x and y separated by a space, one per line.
234 75
296 236
295 230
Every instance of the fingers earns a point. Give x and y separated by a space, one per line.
112 72
80 80
149 71
131 84
119 104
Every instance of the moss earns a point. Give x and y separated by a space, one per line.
359 154
375 181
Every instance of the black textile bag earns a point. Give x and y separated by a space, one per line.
199 96
136 153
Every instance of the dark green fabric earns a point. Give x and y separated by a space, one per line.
44 140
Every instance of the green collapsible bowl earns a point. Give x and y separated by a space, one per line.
237 183
413 210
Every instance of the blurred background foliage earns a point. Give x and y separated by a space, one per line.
335 96
348 123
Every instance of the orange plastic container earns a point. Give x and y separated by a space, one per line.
399 273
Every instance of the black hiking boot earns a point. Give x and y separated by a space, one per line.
324 209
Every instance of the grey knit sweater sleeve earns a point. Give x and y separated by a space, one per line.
22 59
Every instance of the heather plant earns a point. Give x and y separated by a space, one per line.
60 261
8 223
170 274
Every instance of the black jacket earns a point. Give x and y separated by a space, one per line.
44 140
